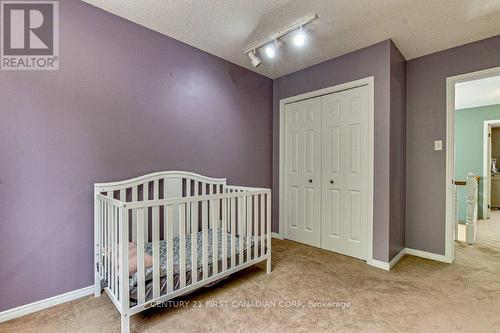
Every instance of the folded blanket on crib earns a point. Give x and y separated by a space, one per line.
132 258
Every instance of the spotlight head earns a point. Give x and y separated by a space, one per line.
254 59
270 50
299 38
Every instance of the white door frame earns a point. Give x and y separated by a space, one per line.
369 81
450 151
486 166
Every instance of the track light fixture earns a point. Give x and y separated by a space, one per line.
270 44
271 50
299 38
254 59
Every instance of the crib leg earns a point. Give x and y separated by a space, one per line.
125 323
97 286
268 263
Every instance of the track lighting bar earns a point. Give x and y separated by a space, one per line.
284 32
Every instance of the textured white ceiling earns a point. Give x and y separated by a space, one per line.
226 28
477 93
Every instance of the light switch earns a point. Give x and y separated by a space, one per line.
438 145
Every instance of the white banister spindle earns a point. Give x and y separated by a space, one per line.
156 249
471 196
204 228
194 240
214 222
224 233
170 249
140 218
249 227
182 246
455 207
233 232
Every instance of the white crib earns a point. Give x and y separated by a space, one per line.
181 214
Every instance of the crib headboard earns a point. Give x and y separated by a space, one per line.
161 185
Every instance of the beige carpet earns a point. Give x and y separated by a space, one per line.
418 295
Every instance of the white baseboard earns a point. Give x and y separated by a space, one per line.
276 235
379 264
397 258
387 265
428 255
45 303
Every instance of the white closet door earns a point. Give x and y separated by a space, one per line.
345 172
303 171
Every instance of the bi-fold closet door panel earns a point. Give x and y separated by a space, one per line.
303 171
326 177
345 172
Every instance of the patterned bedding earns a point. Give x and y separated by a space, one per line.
148 248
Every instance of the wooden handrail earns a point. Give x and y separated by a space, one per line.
463 182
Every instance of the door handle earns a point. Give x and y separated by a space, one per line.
332 182
310 180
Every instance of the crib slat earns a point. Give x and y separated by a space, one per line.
108 252
156 189
123 195
195 188
103 240
233 232
140 256
124 264
100 240
193 208
156 249
255 226
115 245
224 234
170 248
241 226
188 217
262 226
145 197
134 217
249 228
182 246
214 219
204 228
112 249
268 221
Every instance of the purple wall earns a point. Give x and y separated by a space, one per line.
426 122
398 153
370 61
126 101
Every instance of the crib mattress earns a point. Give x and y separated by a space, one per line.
176 260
